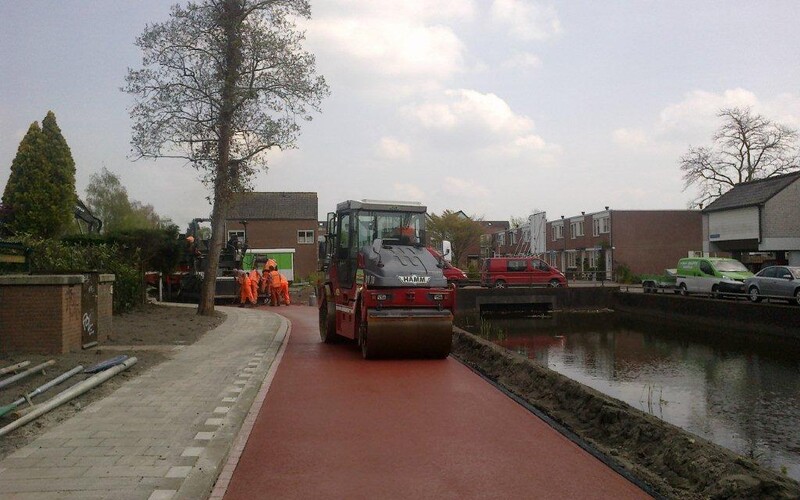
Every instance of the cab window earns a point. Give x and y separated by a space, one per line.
517 266
705 268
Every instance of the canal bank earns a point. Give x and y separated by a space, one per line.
674 462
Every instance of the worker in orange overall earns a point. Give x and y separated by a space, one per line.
269 264
275 286
264 285
254 279
285 290
245 290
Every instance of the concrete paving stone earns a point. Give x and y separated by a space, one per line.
52 442
193 451
222 409
162 495
119 451
235 389
127 471
50 452
179 471
19 462
91 451
68 484
82 442
131 460
213 422
122 442
159 451
87 461
43 473
204 436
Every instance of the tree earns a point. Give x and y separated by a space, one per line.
746 147
462 232
40 194
223 82
108 200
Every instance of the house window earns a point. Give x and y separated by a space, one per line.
596 227
576 228
572 259
602 226
239 235
593 254
501 239
558 232
512 238
305 236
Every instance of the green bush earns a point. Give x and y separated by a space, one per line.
624 275
63 257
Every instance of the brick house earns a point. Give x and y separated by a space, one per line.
762 217
644 241
282 226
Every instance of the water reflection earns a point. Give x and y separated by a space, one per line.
743 395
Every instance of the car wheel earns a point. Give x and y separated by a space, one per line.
797 296
684 291
753 295
554 283
499 284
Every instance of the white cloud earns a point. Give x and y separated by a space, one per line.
390 148
409 192
522 60
465 188
526 20
693 120
630 137
384 43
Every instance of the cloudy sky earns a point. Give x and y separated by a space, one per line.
494 107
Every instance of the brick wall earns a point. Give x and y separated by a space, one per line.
649 241
40 314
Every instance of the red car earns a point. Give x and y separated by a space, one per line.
451 273
502 272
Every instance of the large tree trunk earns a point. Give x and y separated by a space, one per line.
231 15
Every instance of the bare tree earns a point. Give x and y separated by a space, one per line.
223 82
747 147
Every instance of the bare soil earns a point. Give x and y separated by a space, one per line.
675 463
152 334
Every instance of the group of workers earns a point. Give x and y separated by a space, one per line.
272 285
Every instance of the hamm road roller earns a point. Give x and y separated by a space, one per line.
382 287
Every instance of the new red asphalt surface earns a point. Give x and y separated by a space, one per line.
336 426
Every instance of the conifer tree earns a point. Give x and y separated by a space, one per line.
62 185
40 194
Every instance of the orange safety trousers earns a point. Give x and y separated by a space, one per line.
245 290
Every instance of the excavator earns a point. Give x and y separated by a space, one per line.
382 286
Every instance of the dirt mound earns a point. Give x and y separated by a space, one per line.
673 462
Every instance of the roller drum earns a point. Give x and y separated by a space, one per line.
402 333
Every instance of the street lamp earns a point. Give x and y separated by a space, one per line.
564 236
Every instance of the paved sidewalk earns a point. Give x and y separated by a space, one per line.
164 434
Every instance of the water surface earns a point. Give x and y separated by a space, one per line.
743 395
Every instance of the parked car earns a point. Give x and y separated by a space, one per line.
451 273
501 272
666 281
712 275
775 282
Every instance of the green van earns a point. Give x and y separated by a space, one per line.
711 275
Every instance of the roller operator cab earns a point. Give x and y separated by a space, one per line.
382 286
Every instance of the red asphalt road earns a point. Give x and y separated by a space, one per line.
336 426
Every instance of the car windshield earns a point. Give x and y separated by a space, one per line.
795 271
393 226
730 266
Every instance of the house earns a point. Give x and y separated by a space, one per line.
282 226
640 241
757 222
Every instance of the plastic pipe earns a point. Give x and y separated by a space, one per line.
30 371
13 368
39 390
67 395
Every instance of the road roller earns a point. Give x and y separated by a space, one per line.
382 287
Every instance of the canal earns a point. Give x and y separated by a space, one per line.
743 395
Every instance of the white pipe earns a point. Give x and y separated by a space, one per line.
46 387
30 371
68 394
13 368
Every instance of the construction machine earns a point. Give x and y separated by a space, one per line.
382 286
